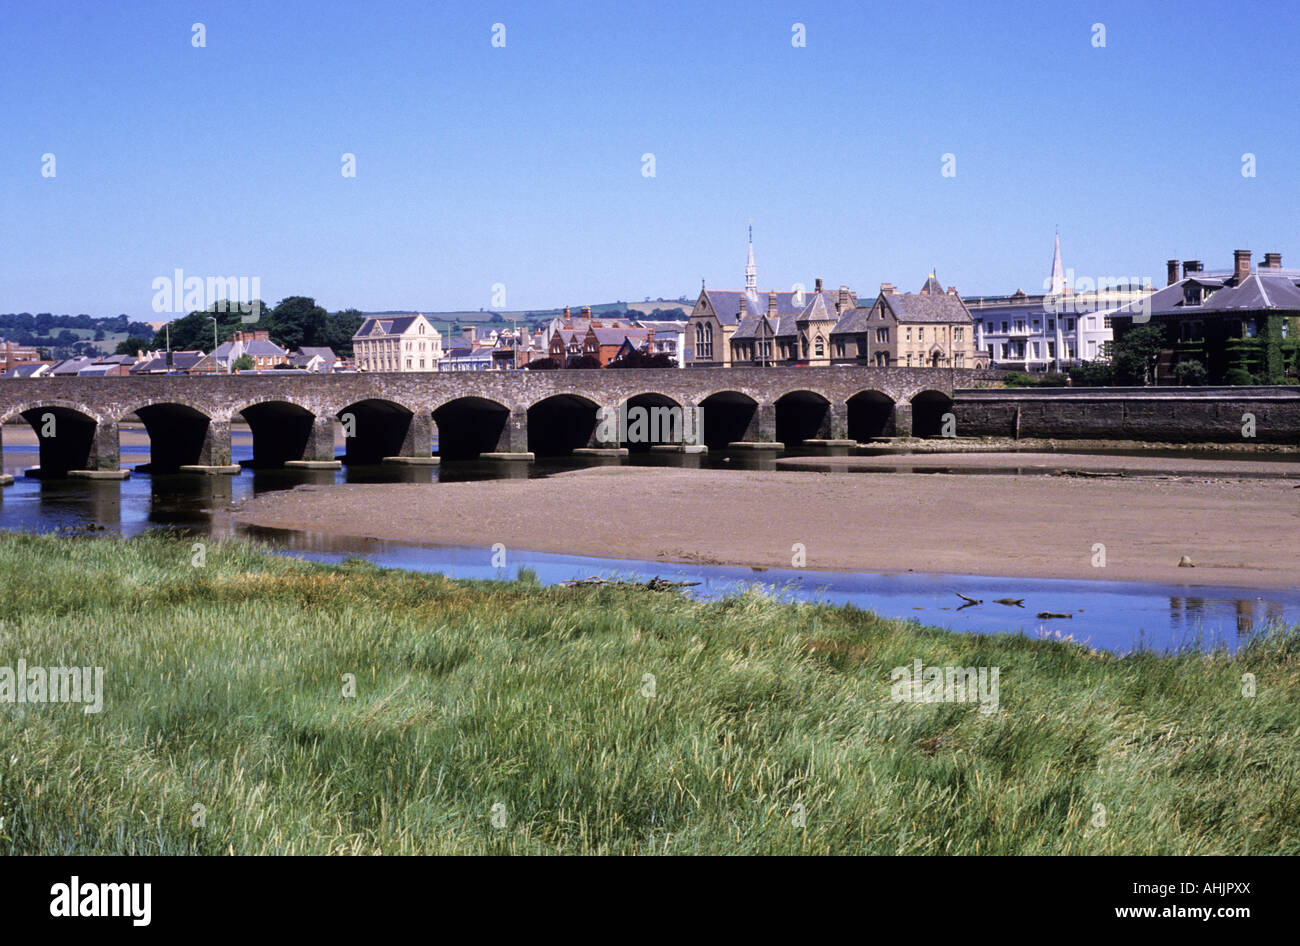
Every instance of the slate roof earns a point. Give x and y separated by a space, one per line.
72 365
1258 292
909 307
387 325
727 304
854 321
27 371
932 286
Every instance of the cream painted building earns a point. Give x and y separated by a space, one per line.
397 343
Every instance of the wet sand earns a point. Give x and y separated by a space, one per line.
1243 532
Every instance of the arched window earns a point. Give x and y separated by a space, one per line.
819 347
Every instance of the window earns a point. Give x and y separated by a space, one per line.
957 334
882 335
1105 321
1036 355
1191 294
408 363
819 347
920 334
1051 325
1020 325
839 347
909 333
1004 326
1069 325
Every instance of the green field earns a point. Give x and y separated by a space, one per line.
502 717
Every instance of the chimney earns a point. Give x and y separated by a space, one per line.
887 288
843 302
818 284
771 303
1273 260
470 332
1173 272
1191 266
586 312
1240 265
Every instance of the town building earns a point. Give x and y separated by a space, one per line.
316 359
1063 326
257 345
1241 326
931 328
669 338
397 343
13 355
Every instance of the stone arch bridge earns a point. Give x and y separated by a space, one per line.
294 417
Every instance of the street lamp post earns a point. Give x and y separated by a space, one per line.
213 320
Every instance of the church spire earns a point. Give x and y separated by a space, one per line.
751 272
1058 273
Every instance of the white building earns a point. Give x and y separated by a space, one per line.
669 339
1067 324
397 343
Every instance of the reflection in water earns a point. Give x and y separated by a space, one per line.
1110 615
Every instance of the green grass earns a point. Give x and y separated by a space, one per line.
224 688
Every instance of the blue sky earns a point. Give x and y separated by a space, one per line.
522 165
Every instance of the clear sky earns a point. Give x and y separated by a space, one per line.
522 165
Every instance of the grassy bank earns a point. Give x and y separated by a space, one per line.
770 728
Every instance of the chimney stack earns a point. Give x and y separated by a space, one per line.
952 290
843 302
586 312
1240 265
1273 260
1191 266
887 288
819 284
771 303
1173 272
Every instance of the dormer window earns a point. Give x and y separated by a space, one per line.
1192 294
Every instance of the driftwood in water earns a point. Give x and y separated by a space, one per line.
1011 602
1048 615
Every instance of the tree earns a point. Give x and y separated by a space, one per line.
640 359
131 345
543 364
1190 372
582 361
1135 353
243 363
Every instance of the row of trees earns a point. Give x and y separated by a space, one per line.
293 323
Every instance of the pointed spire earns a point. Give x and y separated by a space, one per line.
751 272
1058 272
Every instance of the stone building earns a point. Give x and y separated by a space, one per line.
748 327
397 343
1242 326
927 329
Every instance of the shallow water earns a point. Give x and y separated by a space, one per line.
1115 616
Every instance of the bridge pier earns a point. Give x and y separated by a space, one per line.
902 419
512 444
318 451
104 461
761 432
214 453
417 445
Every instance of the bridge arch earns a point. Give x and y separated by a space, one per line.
284 430
928 408
69 436
560 423
180 433
728 416
870 414
651 418
471 425
802 415
377 427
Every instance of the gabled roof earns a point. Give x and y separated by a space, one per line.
386 325
915 307
854 320
731 306
751 326
28 371
323 352
933 287
1258 292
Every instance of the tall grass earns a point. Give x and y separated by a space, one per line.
770 728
